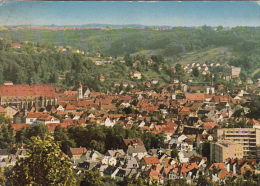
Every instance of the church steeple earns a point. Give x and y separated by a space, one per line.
80 91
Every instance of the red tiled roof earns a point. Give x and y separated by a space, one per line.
47 118
138 141
51 126
15 44
17 127
208 120
218 165
70 93
108 107
223 174
186 167
35 114
151 160
195 97
44 90
2 110
70 107
78 151
154 174
209 126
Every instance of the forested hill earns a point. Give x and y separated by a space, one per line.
168 42
40 61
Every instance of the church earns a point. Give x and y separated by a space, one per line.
27 96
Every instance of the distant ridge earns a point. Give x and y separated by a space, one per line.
95 25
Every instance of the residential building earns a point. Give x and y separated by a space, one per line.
136 75
248 138
231 72
224 149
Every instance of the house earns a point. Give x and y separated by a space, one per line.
101 78
62 49
132 84
46 119
150 61
137 152
97 54
136 75
152 174
116 84
175 81
125 84
147 162
249 81
70 108
190 171
131 143
75 51
154 81
15 45
108 160
31 117
137 62
76 153
115 153
61 77
184 156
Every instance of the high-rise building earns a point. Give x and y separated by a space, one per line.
224 149
248 138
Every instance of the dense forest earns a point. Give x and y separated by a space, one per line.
40 62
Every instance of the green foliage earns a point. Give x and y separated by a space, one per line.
203 180
179 182
4 120
42 63
206 150
195 71
6 137
175 153
92 178
254 108
24 135
103 138
61 136
44 165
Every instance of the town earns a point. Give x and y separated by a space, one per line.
129 93
181 132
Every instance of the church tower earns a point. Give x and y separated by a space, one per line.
80 91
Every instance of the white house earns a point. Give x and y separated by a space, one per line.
136 75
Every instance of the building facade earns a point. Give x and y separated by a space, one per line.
224 149
27 96
248 138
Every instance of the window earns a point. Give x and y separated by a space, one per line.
31 120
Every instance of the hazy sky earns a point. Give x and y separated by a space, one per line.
171 13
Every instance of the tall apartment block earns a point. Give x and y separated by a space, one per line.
224 149
248 138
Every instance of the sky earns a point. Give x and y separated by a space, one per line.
160 13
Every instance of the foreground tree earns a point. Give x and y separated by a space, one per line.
44 165
92 177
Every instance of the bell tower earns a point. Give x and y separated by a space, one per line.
80 91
